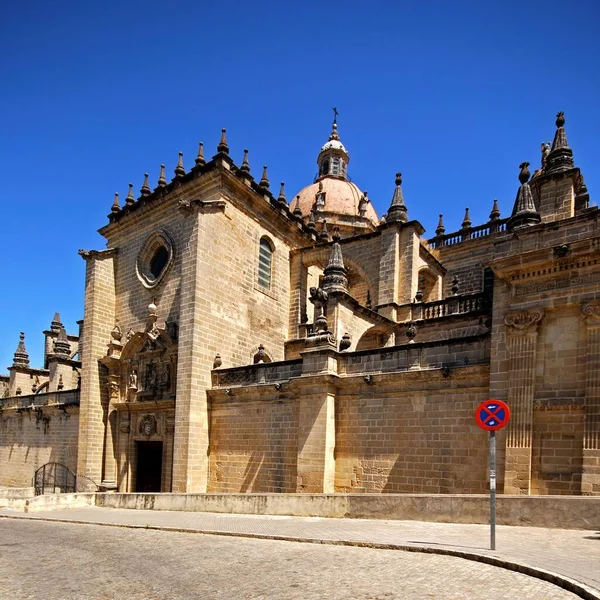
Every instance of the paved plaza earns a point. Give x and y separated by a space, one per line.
153 555
63 561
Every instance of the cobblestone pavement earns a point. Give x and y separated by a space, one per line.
573 553
61 561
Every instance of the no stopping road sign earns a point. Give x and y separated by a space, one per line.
492 415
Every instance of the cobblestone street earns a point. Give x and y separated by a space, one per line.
60 561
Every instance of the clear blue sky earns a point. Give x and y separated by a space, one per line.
454 94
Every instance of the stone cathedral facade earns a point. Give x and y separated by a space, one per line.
235 340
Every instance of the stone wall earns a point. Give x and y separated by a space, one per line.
32 437
253 445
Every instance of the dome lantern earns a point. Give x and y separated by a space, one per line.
333 159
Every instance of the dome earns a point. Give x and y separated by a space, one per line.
341 197
334 145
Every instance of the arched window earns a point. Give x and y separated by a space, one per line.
265 262
325 168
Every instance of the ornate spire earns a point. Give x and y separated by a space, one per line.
495 214
115 208
311 221
324 233
467 220
560 157
130 199
281 198
223 147
180 169
440 229
145 189
264 180
397 210
162 180
21 358
55 324
335 274
524 211
297 210
61 344
245 164
200 156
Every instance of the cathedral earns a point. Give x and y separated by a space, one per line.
235 339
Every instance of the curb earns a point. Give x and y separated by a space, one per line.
566 583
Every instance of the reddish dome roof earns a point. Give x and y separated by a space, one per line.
341 197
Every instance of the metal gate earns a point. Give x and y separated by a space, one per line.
53 478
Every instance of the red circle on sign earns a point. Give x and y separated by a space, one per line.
492 415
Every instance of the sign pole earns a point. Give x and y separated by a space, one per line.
492 490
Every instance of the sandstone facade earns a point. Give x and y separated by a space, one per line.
235 342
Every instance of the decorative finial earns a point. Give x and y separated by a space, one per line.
21 358
115 208
264 180
560 157
524 173
217 362
467 220
524 212
335 274
440 229
245 164
335 236
180 169
345 342
61 344
411 333
297 210
281 198
130 199
311 221
334 133
145 189
223 147
56 324
162 180
495 214
324 234
200 156
397 211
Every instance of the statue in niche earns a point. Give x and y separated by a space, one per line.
132 384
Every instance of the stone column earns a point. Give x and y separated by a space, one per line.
99 319
522 344
109 479
590 478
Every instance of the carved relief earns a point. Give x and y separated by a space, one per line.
523 320
148 425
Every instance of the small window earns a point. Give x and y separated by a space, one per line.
265 263
325 167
